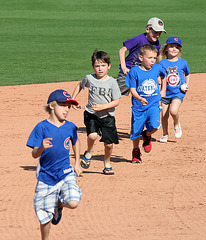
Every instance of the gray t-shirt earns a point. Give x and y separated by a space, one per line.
100 92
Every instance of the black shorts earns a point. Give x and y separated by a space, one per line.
105 127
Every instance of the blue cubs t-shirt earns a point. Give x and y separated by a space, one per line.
146 84
175 74
54 161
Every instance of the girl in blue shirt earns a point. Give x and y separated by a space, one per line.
177 76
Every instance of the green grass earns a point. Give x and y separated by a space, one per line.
52 41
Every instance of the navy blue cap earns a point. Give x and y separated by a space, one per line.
174 40
61 96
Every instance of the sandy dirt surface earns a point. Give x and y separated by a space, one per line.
162 198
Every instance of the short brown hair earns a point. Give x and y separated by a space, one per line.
100 55
147 47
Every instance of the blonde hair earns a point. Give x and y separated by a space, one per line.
147 47
47 106
164 50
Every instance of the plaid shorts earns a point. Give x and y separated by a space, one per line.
47 197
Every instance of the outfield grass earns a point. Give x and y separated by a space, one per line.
52 41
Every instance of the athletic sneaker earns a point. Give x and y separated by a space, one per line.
146 142
57 216
136 156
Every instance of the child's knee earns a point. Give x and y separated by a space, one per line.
155 129
72 204
108 146
93 136
173 112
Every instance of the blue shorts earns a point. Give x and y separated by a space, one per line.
149 117
169 100
47 197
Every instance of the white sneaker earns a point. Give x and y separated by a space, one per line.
164 139
178 134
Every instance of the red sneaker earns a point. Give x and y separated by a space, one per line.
146 142
136 155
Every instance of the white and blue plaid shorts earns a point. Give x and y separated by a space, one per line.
47 197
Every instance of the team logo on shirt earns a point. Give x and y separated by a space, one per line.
173 79
148 87
67 143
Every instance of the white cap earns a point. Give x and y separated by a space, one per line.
157 24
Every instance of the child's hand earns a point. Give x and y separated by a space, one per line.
184 87
125 70
77 169
143 101
97 107
37 151
76 107
46 143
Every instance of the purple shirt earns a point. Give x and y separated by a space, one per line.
133 45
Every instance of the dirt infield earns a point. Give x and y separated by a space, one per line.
164 198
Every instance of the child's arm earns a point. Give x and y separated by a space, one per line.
163 86
37 151
137 96
187 80
100 107
76 91
122 52
76 150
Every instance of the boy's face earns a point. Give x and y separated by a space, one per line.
61 110
148 59
152 35
101 68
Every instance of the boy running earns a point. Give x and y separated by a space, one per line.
50 142
143 83
104 96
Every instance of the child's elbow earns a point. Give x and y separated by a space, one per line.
117 102
34 155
